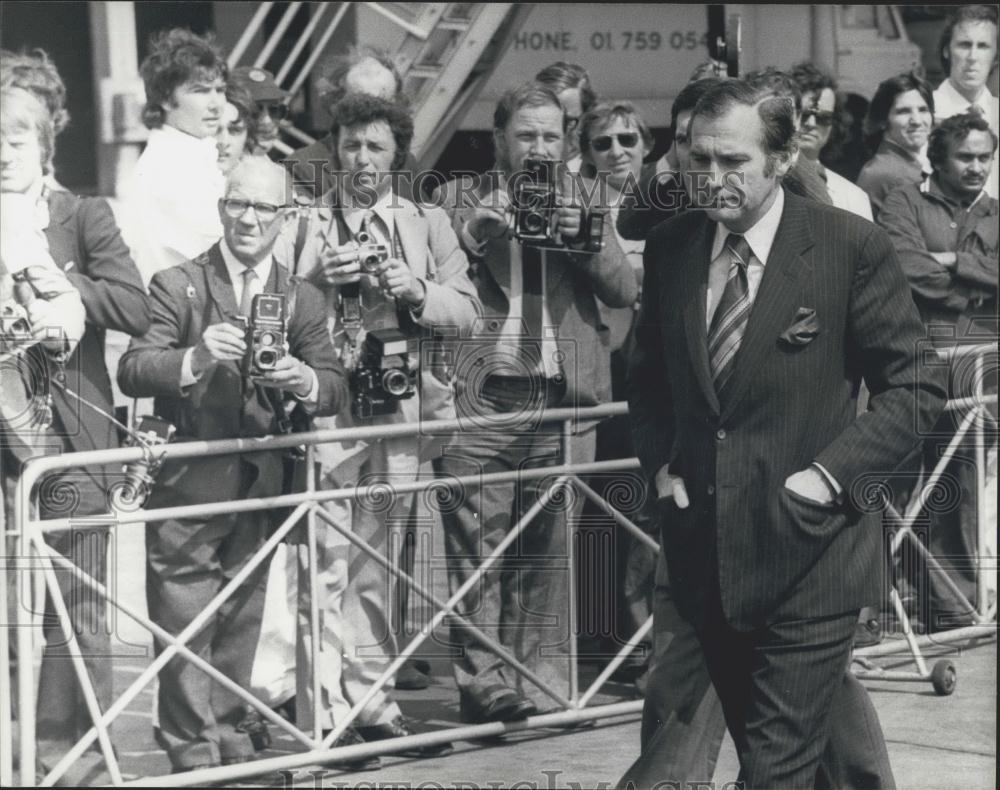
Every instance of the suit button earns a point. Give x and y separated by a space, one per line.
711 490
720 434
60 377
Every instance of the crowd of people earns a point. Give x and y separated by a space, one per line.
762 314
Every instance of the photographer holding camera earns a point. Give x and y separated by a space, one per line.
540 345
232 334
393 273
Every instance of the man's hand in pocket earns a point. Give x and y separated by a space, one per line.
668 485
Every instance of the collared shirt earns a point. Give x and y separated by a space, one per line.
515 324
948 102
235 268
172 201
846 196
892 166
760 238
922 220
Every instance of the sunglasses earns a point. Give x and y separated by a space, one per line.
278 111
236 208
822 118
602 143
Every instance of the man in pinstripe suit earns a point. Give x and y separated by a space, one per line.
760 316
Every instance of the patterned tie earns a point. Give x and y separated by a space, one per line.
730 319
249 276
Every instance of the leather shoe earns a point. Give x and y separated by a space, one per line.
400 727
507 705
350 737
867 633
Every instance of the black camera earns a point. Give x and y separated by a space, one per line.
535 205
370 254
265 334
386 373
134 490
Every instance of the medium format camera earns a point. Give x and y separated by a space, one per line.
370 254
535 206
386 373
265 334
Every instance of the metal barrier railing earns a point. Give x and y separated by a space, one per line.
30 542
944 674
29 535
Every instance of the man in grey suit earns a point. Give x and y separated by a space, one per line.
760 316
540 344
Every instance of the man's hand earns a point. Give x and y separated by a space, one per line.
338 265
569 219
219 343
668 485
491 218
810 484
289 374
57 323
398 280
946 259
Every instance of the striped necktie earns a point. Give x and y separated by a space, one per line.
730 319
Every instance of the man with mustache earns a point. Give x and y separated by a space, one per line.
945 231
968 54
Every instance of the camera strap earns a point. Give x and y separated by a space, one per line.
348 296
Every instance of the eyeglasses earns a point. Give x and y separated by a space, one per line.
625 140
236 208
278 111
822 118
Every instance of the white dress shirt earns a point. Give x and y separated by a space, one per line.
174 194
848 196
760 238
948 102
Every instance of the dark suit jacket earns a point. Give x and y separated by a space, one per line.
778 556
188 298
574 282
85 242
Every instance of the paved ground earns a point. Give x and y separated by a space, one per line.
934 742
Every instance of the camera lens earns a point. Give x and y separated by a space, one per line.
533 222
395 382
267 339
266 359
369 263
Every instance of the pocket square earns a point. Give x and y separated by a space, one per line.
803 329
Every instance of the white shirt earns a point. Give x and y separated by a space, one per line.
760 238
848 196
174 194
948 102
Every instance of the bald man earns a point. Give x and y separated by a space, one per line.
190 361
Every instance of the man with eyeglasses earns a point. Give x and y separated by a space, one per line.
819 112
271 104
191 361
571 84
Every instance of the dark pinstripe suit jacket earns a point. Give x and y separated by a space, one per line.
776 555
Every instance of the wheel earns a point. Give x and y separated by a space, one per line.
944 677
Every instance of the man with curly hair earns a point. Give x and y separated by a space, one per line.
177 184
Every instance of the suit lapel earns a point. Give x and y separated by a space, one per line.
60 233
698 256
412 235
220 287
777 296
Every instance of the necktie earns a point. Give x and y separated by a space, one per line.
249 276
730 319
